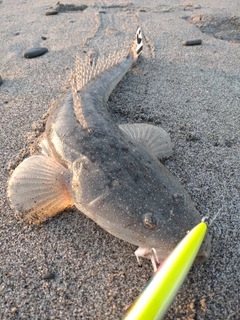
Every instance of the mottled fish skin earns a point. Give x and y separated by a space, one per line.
111 175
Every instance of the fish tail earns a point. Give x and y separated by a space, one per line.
86 73
137 45
38 189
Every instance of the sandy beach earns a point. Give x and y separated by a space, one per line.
192 92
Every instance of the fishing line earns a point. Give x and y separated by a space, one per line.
209 221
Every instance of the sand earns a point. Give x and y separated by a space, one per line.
192 92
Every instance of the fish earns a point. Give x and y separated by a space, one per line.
109 172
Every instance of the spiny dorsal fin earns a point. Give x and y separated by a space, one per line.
76 102
86 72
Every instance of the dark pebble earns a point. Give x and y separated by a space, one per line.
192 42
49 276
44 38
51 12
59 7
1 80
192 137
17 33
34 52
228 143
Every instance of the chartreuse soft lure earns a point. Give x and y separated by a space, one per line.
159 293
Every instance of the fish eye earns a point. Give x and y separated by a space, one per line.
178 199
150 221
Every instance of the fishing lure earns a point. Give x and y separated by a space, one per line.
159 293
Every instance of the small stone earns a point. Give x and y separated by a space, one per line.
228 143
14 310
192 137
34 52
51 12
59 7
195 42
1 81
44 38
49 276
17 33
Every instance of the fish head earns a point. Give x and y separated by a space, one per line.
162 235
149 209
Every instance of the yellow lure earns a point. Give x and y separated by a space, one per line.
157 296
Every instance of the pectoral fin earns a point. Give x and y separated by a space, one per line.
154 140
39 188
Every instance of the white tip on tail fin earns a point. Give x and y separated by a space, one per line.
38 189
137 44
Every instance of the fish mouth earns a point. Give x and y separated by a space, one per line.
204 251
157 256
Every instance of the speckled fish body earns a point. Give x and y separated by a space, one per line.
110 173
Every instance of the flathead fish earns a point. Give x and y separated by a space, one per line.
109 172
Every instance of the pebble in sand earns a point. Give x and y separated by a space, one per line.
34 52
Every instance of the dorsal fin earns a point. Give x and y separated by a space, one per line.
76 103
87 72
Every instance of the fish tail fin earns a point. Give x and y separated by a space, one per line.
137 45
38 189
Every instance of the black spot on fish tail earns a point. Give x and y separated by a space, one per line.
139 50
139 39
137 44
